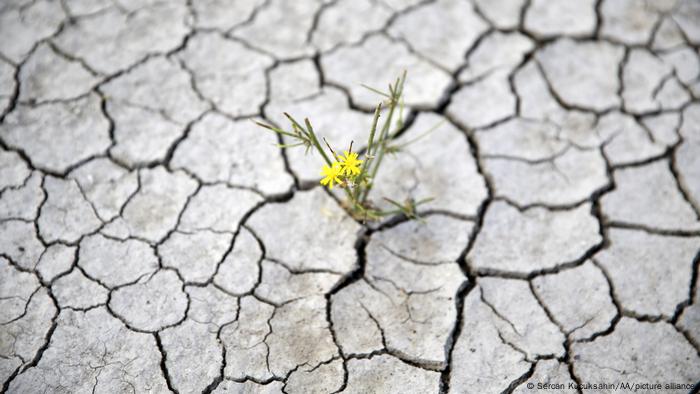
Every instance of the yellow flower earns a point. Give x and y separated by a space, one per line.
350 164
331 174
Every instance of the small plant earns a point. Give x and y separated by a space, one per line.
355 172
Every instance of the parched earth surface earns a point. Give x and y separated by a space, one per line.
152 239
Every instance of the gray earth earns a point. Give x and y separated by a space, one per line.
153 239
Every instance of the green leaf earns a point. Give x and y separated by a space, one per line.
375 90
290 145
425 133
424 201
392 202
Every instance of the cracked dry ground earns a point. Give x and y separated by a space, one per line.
153 240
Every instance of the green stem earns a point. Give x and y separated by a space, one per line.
381 144
368 153
317 145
